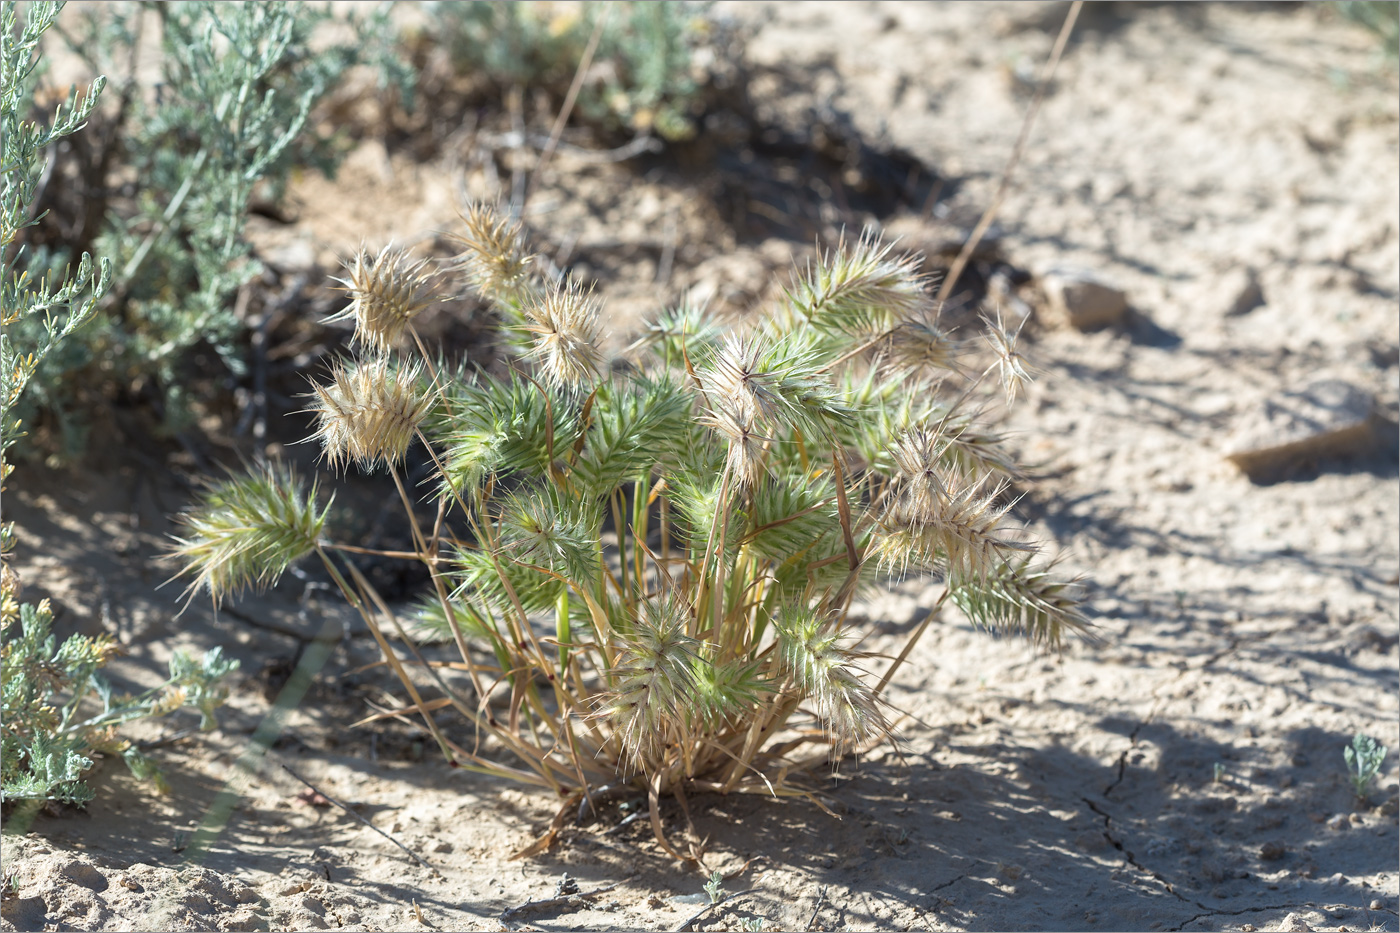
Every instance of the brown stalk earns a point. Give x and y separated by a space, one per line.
986 221
563 118
389 654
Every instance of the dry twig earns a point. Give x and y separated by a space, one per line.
981 229
411 853
695 917
573 901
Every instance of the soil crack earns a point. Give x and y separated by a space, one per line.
1131 858
1236 913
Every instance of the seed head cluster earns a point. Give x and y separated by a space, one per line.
655 682
810 651
369 413
494 255
563 327
936 517
386 293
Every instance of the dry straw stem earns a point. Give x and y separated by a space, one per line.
1004 185
647 570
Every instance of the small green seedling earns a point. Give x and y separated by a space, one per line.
1364 757
1217 772
715 887
753 924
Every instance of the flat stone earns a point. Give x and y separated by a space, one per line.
1082 300
1326 419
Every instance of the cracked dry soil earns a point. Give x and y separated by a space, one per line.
1183 773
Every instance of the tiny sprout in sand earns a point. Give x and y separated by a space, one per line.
646 570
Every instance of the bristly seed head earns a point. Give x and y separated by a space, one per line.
737 373
811 653
386 292
247 530
1011 366
863 290
563 325
918 344
732 417
655 682
369 413
937 517
495 255
916 454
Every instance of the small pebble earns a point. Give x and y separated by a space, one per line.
1272 851
1082 300
1377 904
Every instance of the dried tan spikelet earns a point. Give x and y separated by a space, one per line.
936 516
733 417
736 373
563 327
495 255
919 344
916 454
386 292
955 531
1011 366
369 413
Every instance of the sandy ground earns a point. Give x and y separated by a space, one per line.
1184 773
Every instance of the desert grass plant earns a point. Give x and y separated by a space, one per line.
56 708
646 567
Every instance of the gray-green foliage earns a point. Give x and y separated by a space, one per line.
1381 17
39 308
58 709
646 82
228 122
1364 757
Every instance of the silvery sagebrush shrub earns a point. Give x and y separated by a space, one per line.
56 708
230 121
644 76
648 563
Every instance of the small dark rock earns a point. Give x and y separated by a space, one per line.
1247 295
1272 851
